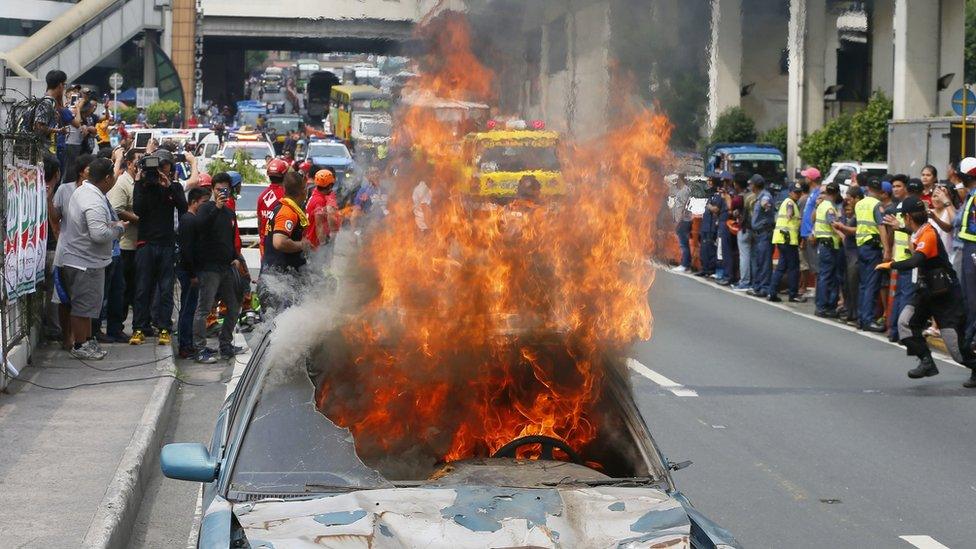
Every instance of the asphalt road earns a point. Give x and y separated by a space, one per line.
802 433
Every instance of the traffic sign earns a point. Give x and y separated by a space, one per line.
970 100
115 80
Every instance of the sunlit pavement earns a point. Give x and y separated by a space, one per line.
804 433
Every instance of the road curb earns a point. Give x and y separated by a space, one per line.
117 512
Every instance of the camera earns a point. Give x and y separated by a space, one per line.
150 168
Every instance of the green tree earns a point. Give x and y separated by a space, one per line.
869 130
734 126
129 114
775 137
159 107
254 59
241 163
828 144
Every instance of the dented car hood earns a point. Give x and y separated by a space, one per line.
471 516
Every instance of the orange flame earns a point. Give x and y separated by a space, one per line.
443 359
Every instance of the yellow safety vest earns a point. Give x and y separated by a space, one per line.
901 250
867 227
821 228
786 223
964 232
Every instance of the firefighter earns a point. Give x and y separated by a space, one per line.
268 200
937 295
322 209
285 241
786 237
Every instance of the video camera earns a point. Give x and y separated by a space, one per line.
149 165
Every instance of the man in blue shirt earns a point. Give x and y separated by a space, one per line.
763 221
808 246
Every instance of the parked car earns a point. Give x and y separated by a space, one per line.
843 171
279 473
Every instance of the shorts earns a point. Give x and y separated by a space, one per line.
85 290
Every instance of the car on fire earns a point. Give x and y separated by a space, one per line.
279 472
497 159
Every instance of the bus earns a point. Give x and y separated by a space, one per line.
317 93
305 68
350 104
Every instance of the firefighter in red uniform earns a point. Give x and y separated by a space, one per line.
322 209
285 243
268 200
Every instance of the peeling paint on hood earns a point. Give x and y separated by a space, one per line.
472 516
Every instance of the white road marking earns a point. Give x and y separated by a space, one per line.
666 383
240 362
923 542
191 541
943 357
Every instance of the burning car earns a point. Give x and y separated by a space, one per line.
280 472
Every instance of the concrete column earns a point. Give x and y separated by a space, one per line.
952 55
725 58
917 25
149 59
883 46
807 50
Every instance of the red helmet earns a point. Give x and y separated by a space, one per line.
277 168
305 167
206 180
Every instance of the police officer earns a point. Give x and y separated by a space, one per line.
707 235
786 237
967 233
937 295
829 251
869 235
725 237
901 188
762 234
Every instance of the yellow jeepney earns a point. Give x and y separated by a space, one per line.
496 160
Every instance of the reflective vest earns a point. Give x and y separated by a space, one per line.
867 227
821 228
901 250
964 232
786 223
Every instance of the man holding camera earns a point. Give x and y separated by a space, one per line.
215 258
157 198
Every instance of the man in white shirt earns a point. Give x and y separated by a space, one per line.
422 200
84 251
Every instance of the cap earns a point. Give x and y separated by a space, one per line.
164 155
832 187
796 188
874 183
968 166
885 187
915 185
206 180
715 201
911 205
757 179
811 173
855 192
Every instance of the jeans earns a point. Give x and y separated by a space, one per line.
762 265
744 239
729 261
828 278
904 293
708 252
71 153
968 283
189 297
788 266
852 283
868 258
129 277
154 271
214 284
115 292
684 241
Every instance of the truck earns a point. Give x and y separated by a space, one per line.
915 143
749 158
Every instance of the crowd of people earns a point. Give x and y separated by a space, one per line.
894 254
129 226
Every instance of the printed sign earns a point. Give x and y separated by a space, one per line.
25 241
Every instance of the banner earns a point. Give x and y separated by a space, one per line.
25 241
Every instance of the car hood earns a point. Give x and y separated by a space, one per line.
471 516
331 161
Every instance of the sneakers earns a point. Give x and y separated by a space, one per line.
875 327
187 352
207 356
120 337
164 338
138 338
741 288
829 313
926 368
773 298
680 269
798 299
971 382
89 350
227 353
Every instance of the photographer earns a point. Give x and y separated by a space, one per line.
123 285
184 166
158 197
215 259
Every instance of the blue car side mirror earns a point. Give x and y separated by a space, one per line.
188 461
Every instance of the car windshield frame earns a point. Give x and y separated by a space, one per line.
372 121
248 146
498 158
242 203
293 124
334 146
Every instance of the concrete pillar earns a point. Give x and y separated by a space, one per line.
725 58
149 59
882 28
917 27
807 50
952 55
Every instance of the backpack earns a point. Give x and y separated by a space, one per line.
26 114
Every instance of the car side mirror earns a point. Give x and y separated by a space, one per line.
188 461
676 466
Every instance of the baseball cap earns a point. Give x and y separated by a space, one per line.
968 166
855 192
796 188
885 187
876 184
811 173
915 185
715 201
757 179
911 205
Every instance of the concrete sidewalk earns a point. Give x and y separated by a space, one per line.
73 461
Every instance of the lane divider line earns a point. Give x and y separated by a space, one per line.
923 542
676 388
943 357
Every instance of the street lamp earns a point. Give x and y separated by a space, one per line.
945 80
